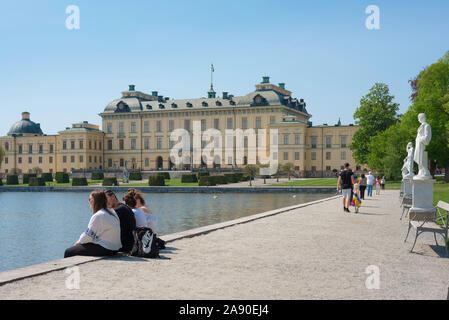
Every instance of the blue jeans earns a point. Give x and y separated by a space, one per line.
370 190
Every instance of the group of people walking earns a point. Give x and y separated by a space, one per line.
110 229
353 187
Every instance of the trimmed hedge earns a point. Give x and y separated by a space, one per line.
27 176
231 178
219 179
188 178
166 175
1 182
36 182
48 177
135 175
203 174
156 181
207 181
79 182
62 177
97 175
110 182
12 179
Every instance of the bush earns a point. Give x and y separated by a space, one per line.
239 176
135 175
27 176
110 182
231 178
12 179
48 177
219 179
156 180
1 182
79 182
207 181
62 177
203 174
97 175
36 182
188 178
166 175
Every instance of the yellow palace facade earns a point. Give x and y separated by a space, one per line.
136 131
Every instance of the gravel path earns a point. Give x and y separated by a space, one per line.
316 252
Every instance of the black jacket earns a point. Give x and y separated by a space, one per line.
127 225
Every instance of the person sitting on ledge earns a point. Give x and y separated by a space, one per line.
102 237
140 204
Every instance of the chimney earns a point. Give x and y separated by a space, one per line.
266 79
282 85
25 115
131 87
154 93
225 95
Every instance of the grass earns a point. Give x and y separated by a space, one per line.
322 182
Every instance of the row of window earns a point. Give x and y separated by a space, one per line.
343 141
81 159
50 159
81 145
40 149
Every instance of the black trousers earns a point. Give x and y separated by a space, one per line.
88 249
362 192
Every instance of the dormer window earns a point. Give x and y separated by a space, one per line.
232 102
122 107
174 105
189 105
258 100
161 106
204 103
149 107
218 103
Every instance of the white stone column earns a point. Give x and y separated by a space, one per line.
422 199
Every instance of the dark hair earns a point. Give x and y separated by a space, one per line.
137 195
130 199
100 201
363 175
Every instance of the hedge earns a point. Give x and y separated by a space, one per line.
27 176
166 175
231 178
239 176
12 179
188 178
1 182
219 179
135 175
48 177
156 181
79 182
36 182
207 181
62 177
110 182
97 175
203 174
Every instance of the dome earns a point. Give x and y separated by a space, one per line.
25 127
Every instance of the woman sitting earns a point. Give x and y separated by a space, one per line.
102 237
143 215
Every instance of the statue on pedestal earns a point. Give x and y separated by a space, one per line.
422 140
407 168
125 178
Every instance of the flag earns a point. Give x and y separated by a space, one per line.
212 67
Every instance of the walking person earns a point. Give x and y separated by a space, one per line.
369 183
382 183
346 181
377 185
102 237
362 182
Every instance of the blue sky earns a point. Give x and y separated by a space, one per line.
320 49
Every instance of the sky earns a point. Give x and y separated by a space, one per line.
322 51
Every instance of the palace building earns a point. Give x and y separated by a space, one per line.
136 131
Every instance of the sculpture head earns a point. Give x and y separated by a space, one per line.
409 145
422 117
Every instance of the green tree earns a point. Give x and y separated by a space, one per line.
2 156
251 171
288 168
376 113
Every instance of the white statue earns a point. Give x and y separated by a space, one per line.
422 140
407 168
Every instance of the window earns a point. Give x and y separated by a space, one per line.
275 140
328 168
121 144
121 128
296 139
187 124
245 141
133 144
95 159
258 123
203 124
230 141
109 163
6 146
72 145
64 159
20 149
30 148
109 144
30 160
72 159
99 145
229 123
159 126
51 148
159 143
146 143
90 159
272 119
328 141
171 125
343 155
286 139
343 141
314 140
296 155
147 162
133 127
109 127
285 155
328 155
40 159
95 145
122 162
313 155
230 160
217 124
90 145
171 144
81 142
275 155
41 148
50 159
81 159
6 160
244 123
313 169
20 160
146 126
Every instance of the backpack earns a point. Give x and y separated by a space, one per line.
145 243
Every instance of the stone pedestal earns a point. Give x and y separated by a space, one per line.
422 199
407 188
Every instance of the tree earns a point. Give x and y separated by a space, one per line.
2 156
288 168
38 171
376 113
251 171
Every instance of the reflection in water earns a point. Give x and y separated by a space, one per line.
36 227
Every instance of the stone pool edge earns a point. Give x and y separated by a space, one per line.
56 265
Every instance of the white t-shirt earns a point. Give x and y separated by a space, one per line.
370 179
145 219
103 229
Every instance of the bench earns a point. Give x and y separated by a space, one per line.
437 224
406 204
